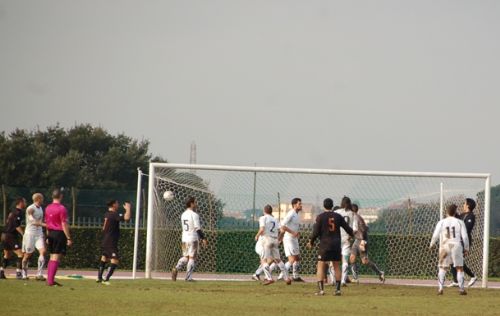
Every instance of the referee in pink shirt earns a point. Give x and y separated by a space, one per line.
58 236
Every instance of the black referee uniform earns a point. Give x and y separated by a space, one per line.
111 235
10 240
327 228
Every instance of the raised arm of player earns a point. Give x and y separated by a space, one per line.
435 235
128 213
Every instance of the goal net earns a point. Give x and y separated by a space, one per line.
401 210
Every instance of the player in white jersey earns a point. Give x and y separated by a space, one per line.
269 229
191 236
453 246
33 237
259 249
290 225
346 212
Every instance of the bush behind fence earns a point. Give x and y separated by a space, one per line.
234 252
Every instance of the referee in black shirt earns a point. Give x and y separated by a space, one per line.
110 236
327 228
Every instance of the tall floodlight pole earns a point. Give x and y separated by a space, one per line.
441 202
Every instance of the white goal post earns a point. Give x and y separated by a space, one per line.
403 206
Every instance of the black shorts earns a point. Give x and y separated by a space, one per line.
110 248
10 242
330 252
110 252
57 242
329 255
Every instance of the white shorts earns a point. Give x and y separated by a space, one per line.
32 242
270 249
346 248
291 247
190 249
259 249
451 254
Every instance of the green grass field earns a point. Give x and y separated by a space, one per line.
155 297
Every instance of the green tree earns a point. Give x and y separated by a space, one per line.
83 156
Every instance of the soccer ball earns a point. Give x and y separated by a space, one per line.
168 195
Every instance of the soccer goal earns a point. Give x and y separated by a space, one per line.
401 209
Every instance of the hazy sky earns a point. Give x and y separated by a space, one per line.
390 85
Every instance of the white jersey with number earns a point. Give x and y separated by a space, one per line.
450 230
348 216
32 219
190 221
271 226
292 221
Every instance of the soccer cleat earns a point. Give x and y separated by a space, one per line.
40 278
280 277
25 278
337 293
299 279
174 274
56 284
105 283
348 279
381 277
190 280
255 277
472 281
462 292
288 281
440 292
453 284
343 284
268 282
19 275
98 281
320 293
2 275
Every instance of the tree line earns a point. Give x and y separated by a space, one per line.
83 156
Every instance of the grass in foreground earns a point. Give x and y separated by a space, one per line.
154 297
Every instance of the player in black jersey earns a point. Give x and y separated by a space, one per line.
327 228
10 238
110 236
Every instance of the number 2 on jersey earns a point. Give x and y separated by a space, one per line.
274 226
331 224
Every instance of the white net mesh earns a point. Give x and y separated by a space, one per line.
401 212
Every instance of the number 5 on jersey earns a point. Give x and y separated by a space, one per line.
331 224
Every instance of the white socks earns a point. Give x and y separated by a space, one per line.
283 269
441 277
181 263
41 264
259 270
267 271
272 266
295 269
190 269
345 266
460 279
